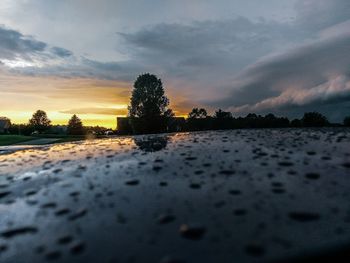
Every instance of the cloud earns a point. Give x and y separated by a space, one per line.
319 14
61 52
334 91
240 62
23 51
15 45
311 74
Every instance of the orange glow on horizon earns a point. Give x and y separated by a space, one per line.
95 102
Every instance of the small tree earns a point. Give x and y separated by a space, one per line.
347 121
39 121
75 126
148 108
6 124
314 119
198 114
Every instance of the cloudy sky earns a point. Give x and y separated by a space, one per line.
82 56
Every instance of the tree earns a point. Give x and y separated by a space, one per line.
198 120
220 114
198 114
148 108
314 119
296 123
39 121
75 126
347 121
222 120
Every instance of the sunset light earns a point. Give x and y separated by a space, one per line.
174 131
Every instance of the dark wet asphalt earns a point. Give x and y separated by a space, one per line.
233 196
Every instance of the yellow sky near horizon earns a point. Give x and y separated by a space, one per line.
96 102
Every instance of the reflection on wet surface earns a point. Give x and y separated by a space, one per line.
243 196
151 143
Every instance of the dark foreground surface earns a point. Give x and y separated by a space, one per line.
236 196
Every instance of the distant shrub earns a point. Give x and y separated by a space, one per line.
347 121
75 126
314 119
40 122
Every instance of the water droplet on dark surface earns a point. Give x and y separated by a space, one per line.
195 186
346 165
239 212
132 182
65 240
165 219
77 248
192 232
255 250
78 214
286 164
304 216
62 212
171 260
54 255
227 172
19 231
49 205
3 194
312 176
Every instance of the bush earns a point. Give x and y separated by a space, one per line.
347 121
314 119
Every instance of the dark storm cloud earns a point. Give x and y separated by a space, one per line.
61 52
322 84
242 63
55 61
206 54
221 43
303 68
319 14
13 44
16 46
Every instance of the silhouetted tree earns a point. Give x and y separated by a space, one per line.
314 119
21 129
251 120
296 123
198 114
222 120
39 121
347 121
75 126
198 120
271 121
5 124
220 114
148 110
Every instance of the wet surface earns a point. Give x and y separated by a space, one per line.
235 196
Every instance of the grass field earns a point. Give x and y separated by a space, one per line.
13 139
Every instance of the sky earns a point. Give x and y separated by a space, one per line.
82 56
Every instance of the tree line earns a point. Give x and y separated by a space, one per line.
41 124
149 113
